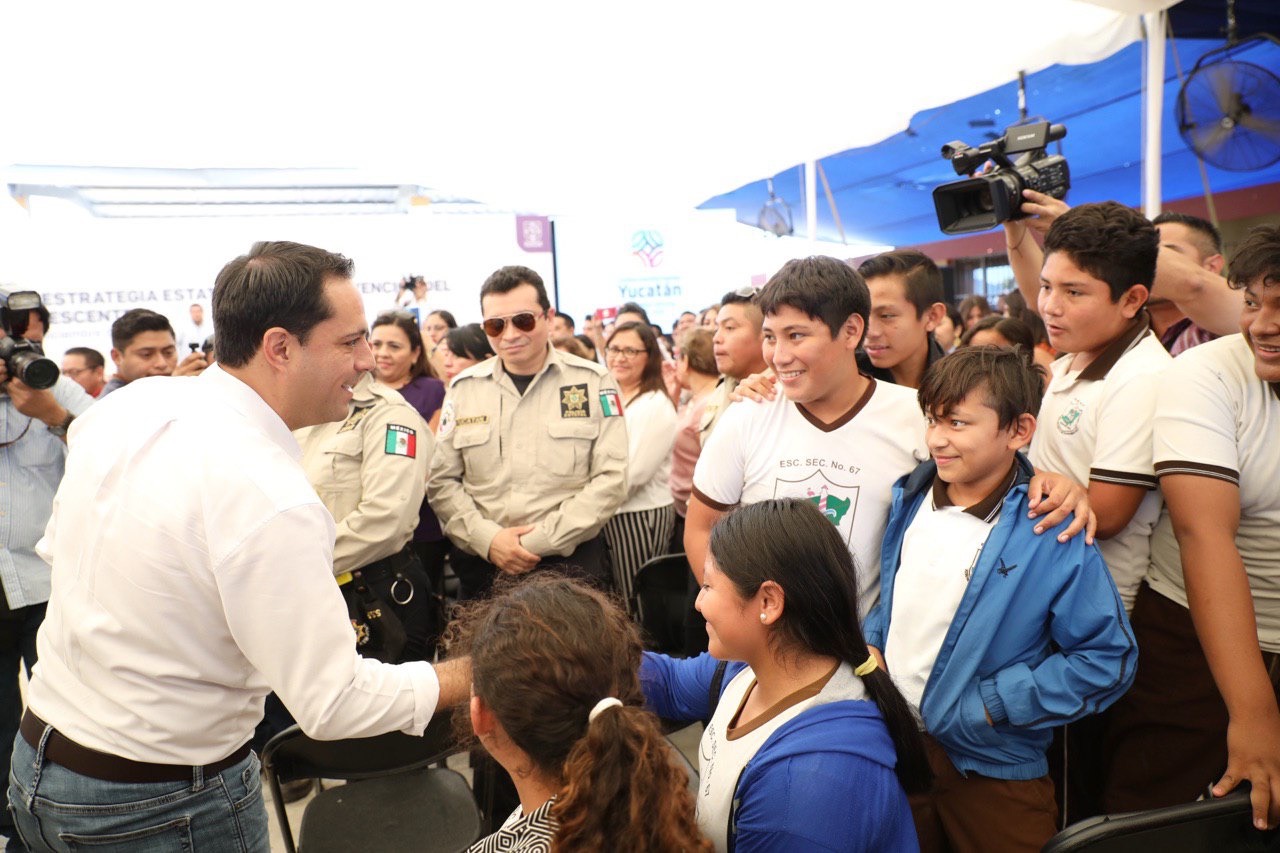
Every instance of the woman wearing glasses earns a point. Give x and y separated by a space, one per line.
642 528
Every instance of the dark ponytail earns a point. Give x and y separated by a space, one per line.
794 545
544 652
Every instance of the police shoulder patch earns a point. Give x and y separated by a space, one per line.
574 402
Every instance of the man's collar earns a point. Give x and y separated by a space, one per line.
1101 366
985 509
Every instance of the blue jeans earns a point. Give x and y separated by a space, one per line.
58 810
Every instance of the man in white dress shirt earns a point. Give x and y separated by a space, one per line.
192 574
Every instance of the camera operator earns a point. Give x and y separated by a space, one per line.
33 428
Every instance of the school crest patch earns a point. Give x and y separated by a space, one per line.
836 500
1069 421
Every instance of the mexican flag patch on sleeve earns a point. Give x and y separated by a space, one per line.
402 441
610 403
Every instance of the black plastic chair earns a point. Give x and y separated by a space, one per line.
1205 826
659 594
394 799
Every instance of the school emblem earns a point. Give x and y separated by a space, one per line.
838 501
574 402
1069 421
353 420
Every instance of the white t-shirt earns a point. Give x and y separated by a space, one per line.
848 468
1216 418
928 587
720 760
651 433
1095 424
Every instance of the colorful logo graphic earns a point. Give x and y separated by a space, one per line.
1069 422
647 246
837 501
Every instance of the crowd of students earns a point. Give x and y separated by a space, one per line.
1032 514
975 574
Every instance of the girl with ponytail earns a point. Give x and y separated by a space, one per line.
809 746
557 702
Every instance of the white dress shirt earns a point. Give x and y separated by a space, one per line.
192 573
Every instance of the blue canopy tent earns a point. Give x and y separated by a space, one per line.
883 192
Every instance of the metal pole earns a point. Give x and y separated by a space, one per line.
1153 112
811 201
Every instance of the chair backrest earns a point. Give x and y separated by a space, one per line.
292 755
1207 825
681 760
660 590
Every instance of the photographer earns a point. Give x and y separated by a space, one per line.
32 451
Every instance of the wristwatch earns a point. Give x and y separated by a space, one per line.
60 430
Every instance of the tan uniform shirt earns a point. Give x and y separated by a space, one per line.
555 457
370 472
716 404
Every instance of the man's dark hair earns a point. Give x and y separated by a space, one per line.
277 284
508 279
921 276
568 321
1257 258
92 358
1108 241
823 288
634 308
134 322
1211 238
1010 379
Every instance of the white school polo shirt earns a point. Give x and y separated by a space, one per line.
931 581
847 468
1095 424
1216 418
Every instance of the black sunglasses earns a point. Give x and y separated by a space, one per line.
524 321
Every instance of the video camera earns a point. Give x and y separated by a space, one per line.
984 201
24 359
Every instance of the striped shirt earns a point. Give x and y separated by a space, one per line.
30 470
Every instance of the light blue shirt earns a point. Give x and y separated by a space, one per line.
30 471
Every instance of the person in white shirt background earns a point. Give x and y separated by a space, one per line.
177 603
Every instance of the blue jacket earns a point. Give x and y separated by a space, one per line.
824 780
1040 637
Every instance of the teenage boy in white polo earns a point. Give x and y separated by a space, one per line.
833 435
1095 421
1208 619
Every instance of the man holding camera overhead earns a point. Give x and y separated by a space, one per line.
33 429
531 455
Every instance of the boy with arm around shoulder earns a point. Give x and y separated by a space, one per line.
994 635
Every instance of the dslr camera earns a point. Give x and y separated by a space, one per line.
984 201
23 358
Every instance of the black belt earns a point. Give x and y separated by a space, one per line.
65 752
379 569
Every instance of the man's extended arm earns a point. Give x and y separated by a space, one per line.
1201 294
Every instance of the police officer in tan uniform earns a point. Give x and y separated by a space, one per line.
531 459
370 472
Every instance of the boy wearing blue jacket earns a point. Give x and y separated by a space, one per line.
993 634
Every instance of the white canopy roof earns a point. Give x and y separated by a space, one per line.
550 107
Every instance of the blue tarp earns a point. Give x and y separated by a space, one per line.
884 191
